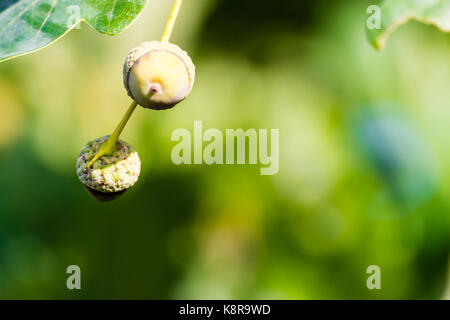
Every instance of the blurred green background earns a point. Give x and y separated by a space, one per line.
364 161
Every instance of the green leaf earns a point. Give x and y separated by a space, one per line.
29 25
395 13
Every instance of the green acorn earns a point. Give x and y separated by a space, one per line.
158 74
110 175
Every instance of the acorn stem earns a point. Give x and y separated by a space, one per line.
171 22
109 146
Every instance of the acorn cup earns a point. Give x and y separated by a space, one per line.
110 175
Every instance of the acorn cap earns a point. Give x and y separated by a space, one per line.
155 46
109 174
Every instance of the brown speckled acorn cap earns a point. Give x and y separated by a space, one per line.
109 174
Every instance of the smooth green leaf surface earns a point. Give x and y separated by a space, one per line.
394 13
29 25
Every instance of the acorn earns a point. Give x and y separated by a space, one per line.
102 196
158 74
110 175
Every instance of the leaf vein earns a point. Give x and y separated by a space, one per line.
20 15
55 2
112 15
